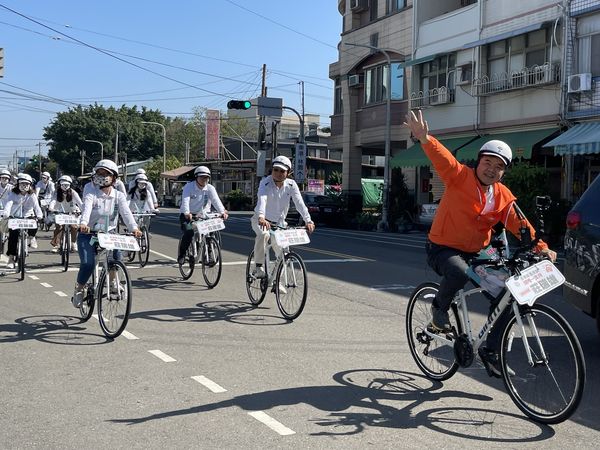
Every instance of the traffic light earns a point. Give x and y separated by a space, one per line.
1 62
239 104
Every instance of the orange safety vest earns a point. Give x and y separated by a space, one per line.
459 220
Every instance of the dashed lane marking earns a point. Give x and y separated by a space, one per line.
47 285
162 356
273 424
33 277
392 287
214 387
127 335
60 294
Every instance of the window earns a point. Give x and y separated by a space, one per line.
588 51
394 5
435 74
373 10
515 54
376 83
338 105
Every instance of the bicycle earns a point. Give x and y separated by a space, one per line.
110 285
22 225
143 221
44 222
541 359
66 221
286 274
205 249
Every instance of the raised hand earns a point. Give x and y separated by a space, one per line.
417 125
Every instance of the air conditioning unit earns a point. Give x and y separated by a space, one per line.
354 80
580 83
358 5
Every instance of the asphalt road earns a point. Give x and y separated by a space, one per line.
200 368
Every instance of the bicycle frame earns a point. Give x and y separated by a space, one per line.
271 265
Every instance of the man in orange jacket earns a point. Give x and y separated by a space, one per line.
473 202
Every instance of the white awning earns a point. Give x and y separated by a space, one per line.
582 139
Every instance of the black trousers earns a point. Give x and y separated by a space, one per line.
13 240
188 235
451 265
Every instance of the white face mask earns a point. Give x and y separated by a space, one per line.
102 181
141 185
24 187
65 186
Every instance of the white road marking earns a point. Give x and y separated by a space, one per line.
209 384
60 294
162 255
48 285
130 336
161 355
391 287
33 277
273 424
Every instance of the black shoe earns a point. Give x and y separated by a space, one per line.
440 321
181 261
491 362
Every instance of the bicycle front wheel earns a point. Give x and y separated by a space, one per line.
548 387
22 254
291 286
434 357
187 268
144 242
114 299
65 248
211 262
255 287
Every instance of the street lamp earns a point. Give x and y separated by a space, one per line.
383 223
101 146
164 154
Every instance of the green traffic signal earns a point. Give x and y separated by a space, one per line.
239 104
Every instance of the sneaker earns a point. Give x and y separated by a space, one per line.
259 272
74 247
440 321
491 362
282 289
77 298
54 249
10 264
33 243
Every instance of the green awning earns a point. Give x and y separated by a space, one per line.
415 156
520 142
582 139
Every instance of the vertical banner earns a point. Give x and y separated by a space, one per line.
213 128
300 163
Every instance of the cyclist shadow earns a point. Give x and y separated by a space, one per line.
211 311
167 283
376 390
62 330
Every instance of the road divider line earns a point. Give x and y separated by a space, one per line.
162 356
273 424
162 255
46 285
214 387
130 336
60 294
33 277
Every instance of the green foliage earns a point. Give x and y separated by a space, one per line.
237 200
367 220
335 177
155 167
526 181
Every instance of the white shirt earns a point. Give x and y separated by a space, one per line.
101 211
149 188
195 199
137 205
44 190
65 206
22 206
4 191
273 202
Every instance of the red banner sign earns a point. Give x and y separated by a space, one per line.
213 128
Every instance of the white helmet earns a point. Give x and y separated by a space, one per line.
497 148
107 164
202 171
140 171
282 162
66 179
5 173
46 174
24 177
141 177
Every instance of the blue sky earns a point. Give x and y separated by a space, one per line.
218 46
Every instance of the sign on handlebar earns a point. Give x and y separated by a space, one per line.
534 282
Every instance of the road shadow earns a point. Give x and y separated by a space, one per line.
213 311
63 330
385 399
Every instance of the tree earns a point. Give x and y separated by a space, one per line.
155 167
69 130
526 181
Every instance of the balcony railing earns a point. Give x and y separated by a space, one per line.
431 97
517 79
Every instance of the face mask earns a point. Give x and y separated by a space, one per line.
102 181
3 182
65 186
141 185
24 187
44 179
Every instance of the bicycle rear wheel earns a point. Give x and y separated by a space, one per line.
21 256
291 286
87 305
211 261
144 242
65 248
187 268
550 390
255 287
435 358
114 299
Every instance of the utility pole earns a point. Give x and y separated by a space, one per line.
40 158
117 144
262 151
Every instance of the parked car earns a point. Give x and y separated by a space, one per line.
427 213
582 253
322 209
